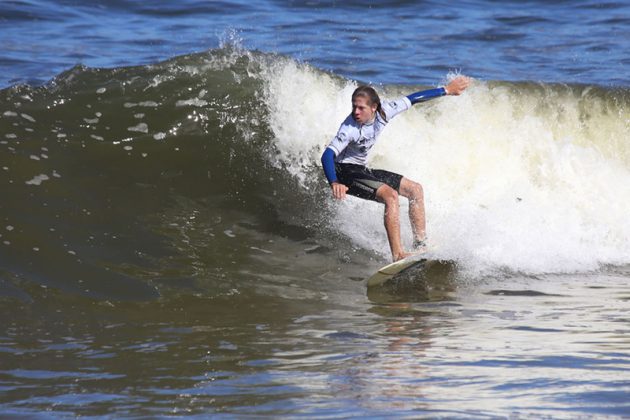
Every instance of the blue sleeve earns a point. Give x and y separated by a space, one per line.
328 162
425 95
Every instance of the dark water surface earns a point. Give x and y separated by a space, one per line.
168 246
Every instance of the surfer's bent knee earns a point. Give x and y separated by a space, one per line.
387 195
411 189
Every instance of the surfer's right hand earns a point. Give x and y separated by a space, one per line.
339 190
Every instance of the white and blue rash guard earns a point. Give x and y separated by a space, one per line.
354 140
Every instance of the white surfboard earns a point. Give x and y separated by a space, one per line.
390 270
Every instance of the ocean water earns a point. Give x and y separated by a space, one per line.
169 246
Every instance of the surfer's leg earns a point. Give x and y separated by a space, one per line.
413 191
389 196
381 186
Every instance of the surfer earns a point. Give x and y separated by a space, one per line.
345 161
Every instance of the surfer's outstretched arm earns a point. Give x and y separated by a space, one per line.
455 87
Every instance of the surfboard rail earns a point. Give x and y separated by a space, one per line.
390 270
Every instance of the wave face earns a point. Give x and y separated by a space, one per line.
203 171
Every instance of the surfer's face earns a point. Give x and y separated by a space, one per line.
362 110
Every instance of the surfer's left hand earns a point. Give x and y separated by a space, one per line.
457 85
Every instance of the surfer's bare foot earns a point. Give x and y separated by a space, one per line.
402 256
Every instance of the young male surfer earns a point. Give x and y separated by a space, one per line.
345 160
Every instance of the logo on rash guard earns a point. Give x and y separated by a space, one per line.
364 144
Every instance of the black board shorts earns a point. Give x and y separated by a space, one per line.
363 182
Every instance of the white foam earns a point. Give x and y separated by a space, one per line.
191 102
38 179
533 180
140 128
28 117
